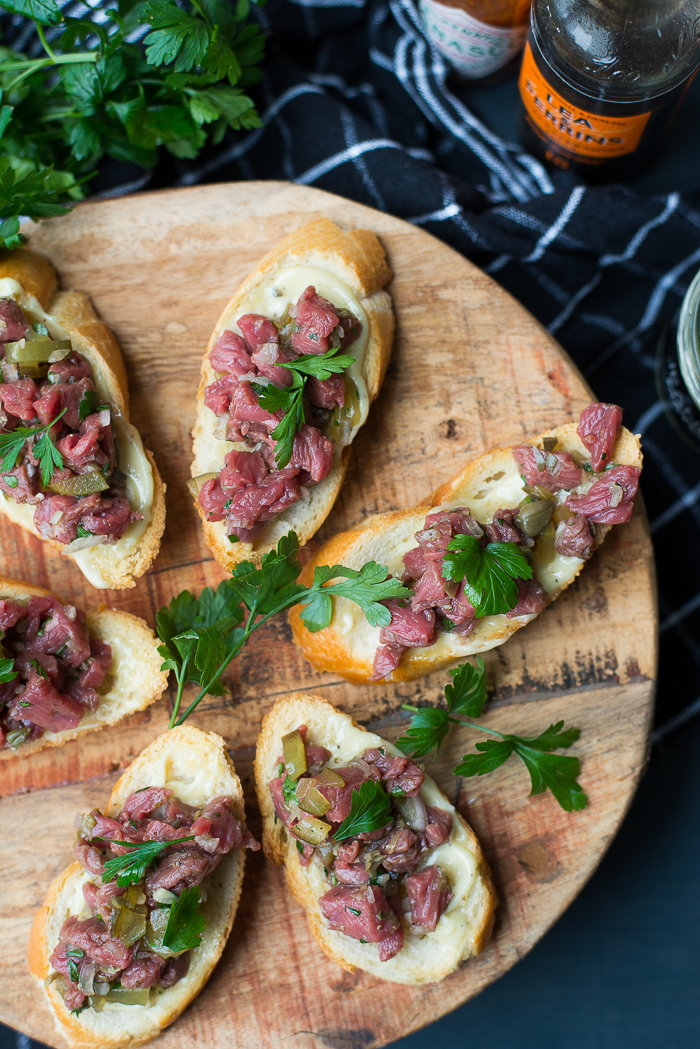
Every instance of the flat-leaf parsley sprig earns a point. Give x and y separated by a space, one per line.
44 450
289 399
131 866
370 809
489 572
97 91
199 643
466 697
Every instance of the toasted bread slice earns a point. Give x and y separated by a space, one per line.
350 270
196 766
463 930
30 279
132 683
491 482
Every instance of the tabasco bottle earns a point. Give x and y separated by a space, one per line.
478 37
601 80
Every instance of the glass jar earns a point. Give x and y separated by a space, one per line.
678 369
688 340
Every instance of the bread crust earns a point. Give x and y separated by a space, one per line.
429 962
172 754
346 650
132 684
358 259
91 337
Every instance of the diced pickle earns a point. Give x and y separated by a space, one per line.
544 547
157 924
80 484
311 830
534 516
16 738
130 926
329 778
562 513
294 754
195 483
549 444
344 420
135 898
314 802
129 995
33 354
538 491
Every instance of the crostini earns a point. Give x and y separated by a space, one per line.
318 293
392 878
552 502
124 942
73 470
67 673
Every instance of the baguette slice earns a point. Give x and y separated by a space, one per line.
350 270
31 280
196 766
463 930
491 482
132 683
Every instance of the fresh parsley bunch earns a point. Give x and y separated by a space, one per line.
97 91
202 636
466 697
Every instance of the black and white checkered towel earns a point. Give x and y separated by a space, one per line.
354 101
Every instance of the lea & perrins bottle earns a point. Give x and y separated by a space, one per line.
477 37
601 80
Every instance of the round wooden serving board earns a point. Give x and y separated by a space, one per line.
470 370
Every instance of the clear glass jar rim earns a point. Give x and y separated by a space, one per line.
688 339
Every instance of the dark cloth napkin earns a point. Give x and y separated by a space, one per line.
353 100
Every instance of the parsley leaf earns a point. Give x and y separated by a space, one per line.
489 573
367 587
88 405
370 809
131 867
7 673
271 587
428 728
46 12
185 924
289 399
429 725
467 693
198 635
556 772
44 450
289 790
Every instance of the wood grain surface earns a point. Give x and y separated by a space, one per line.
470 370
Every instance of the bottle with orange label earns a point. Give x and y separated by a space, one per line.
478 37
602 80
